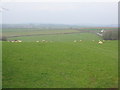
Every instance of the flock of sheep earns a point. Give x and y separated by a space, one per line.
14 41
99 42
43 41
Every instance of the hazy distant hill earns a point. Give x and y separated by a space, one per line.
43 26
52 26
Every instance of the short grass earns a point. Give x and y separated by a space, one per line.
60 65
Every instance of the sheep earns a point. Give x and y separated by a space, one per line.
93 40
75 40
15 41
80 40
19 41
100 42
43 40
37 41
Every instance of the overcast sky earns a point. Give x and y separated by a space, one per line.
102 13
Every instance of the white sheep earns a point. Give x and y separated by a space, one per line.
37 41
43 40
19 41
100 42
75 40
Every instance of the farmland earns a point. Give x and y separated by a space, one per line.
35 31
27 32
61 63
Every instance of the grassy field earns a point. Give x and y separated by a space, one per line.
61 63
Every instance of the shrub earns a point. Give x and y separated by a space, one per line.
4 38
110 35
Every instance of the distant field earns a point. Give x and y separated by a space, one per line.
35 31
60 37
52 35
99 28
20 32
60 65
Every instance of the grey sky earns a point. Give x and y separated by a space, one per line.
61 13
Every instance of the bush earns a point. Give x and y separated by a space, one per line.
110 35
4 38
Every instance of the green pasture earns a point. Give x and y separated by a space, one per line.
60 65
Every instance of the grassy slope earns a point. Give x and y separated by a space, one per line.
67 64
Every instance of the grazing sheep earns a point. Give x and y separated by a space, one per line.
100 42
93 40
43 40
75 40
37 41
80 40
15 41
19 41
